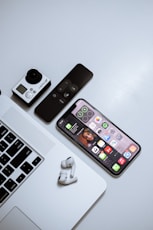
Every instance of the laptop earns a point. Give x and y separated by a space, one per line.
30 162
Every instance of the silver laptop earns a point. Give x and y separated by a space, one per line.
30 158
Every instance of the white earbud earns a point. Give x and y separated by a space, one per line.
64 179
69 163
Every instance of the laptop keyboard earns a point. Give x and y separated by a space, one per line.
17 162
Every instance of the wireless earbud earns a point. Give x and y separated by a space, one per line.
69 163
64 179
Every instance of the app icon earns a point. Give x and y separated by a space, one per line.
98 119
79 114
108 149
95 149
113 143
121 161
85 114
119 136
99 130
116 167
106 137
68 126
100 143
132 148
84 109
102 156
112 131
92 125
127 154
105 125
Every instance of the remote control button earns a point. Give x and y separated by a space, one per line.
63 93
61 101
54 95
61 88
67 82
73 88
66 94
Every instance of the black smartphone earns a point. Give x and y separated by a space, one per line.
99 137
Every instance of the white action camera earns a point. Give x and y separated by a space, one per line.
30 87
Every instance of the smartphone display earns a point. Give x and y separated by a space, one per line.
99 137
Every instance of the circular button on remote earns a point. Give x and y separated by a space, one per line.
73 88
66 94
33 76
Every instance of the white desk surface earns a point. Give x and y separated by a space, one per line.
114 39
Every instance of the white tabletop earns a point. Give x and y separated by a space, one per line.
114 39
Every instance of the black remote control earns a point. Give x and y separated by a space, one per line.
59 97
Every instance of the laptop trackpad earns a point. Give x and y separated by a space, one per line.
17 220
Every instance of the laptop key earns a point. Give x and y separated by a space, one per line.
3 194
36 161
10 138
4 159
26 167
8 170
2 179
17 162
25 152
10 185
3 146
20 178
15 148
3 131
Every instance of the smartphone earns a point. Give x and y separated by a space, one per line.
110 146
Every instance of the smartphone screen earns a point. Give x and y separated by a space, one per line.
99 137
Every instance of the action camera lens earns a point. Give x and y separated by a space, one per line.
33 76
